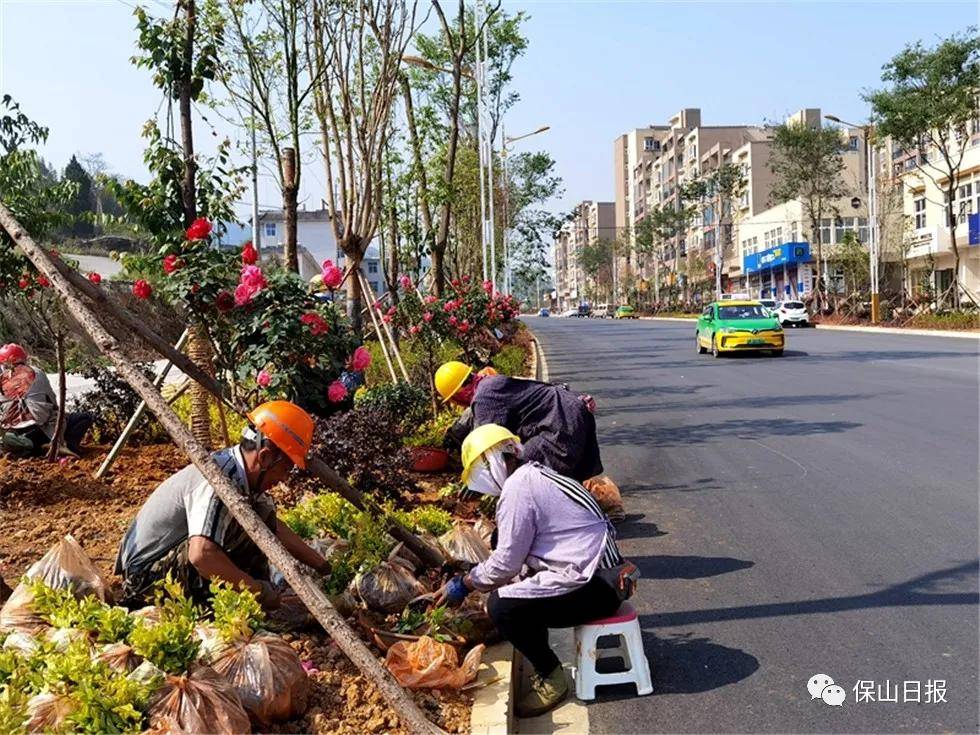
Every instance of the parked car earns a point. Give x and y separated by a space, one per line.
569 313
544 312
768 303
625 312
792 313
602 311
736 326
584 310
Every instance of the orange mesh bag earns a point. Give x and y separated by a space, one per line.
607 495
200 702
65 565
429 664
267 675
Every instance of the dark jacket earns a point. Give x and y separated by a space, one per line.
554 424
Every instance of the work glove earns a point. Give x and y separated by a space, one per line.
454 592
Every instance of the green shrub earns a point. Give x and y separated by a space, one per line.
169 644
235 423
947 320
429 518
510 361
432 432
237 612
60 608
404 405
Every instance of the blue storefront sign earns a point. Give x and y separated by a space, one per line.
790 253
973 228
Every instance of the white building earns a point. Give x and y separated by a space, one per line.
316 243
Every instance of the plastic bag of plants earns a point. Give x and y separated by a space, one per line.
465 545
145 673
119 657
46 712
211 642
267 675
387 587
429 664
607 495
485 528
199 702
61 638
22 641
65 565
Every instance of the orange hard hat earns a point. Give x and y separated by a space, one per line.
287 426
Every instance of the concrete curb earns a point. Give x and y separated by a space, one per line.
492 713
852 328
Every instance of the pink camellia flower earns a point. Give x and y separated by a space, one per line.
43 281
414 329
452 321
386 319
249 254
361 359
337 392
141 289
199 229
464 326
427 316
449 306
406 282
316 323
488 286
430 299
466 279
263 378
455 281
253 277
24 282
378 305
95 278
224 301
332 275
244 294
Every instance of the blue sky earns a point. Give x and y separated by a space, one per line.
592 71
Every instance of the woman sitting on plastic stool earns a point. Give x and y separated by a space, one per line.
551 524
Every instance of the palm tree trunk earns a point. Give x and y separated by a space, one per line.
199 350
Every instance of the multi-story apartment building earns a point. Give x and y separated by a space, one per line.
926 244
590 222
776 251
633 153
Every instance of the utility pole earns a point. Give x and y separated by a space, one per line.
256 235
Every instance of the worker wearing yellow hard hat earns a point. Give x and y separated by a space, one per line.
548 524
555 425
185 530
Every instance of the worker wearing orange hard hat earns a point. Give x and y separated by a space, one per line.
185 530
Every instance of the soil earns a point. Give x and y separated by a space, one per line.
42 501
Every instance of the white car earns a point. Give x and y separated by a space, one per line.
770 304
792 313
602 311
569 313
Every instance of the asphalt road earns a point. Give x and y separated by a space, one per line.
814 514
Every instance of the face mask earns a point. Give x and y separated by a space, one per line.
490 473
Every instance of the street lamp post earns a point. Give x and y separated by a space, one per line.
873 245
503 155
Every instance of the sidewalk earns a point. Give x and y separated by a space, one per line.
854 328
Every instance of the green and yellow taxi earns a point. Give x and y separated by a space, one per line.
625 312
738 326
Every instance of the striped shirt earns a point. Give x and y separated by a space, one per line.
186 505
551 525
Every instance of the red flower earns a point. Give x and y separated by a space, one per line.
406 282
224 301
43 282
452 321
316 323
142 289
464 327
455 281
414 329
249 254
95 278
332 275
427 316
337 392
488 286
430 299
171 263
386 319
466 279
199 230
195 288
449 306
24 282
361 359
263 378
244 294
253 277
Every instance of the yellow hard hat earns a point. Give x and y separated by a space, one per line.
480 440
450 378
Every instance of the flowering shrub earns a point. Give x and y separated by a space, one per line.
467 314
270 331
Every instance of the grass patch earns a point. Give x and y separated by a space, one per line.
947 320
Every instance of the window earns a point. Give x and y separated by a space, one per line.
852 143
374 286
743 200
919 207
372 268
825 230
651 144
270 229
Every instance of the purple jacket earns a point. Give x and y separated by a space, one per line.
552 525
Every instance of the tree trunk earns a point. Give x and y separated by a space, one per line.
354 293
199 350
59 427
305 585
290 193
189 186
818 294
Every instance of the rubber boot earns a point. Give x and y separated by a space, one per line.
546 694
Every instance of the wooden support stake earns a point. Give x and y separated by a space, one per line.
323 472
381 340
137 415
387 329
305 586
